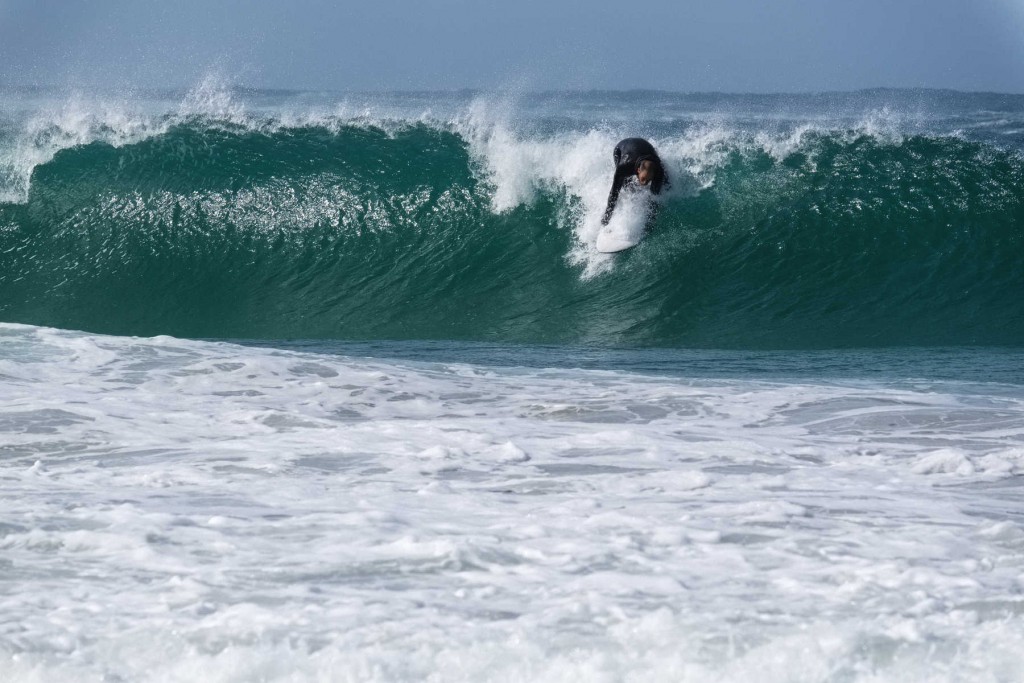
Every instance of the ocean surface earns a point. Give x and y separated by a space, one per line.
306 386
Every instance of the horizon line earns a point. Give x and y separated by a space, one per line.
478 91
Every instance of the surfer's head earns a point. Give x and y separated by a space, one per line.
645 171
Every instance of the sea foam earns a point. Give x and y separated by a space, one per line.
179 509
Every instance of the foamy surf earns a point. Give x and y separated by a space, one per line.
179 510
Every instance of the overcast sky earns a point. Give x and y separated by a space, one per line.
721 45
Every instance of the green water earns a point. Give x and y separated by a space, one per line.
362 231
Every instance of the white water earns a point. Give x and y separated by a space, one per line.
183 511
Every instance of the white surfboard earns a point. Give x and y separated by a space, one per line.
627 227
613 241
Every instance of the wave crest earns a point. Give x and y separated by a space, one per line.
225 223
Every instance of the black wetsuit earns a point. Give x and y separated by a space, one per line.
628 155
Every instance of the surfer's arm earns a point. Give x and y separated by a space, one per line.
613 196
660 181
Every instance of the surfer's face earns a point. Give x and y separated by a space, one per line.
644 173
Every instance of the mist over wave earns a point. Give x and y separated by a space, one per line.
790 223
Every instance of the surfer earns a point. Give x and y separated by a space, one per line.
635 157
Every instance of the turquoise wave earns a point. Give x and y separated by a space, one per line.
362 232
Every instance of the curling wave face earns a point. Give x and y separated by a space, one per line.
223 221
